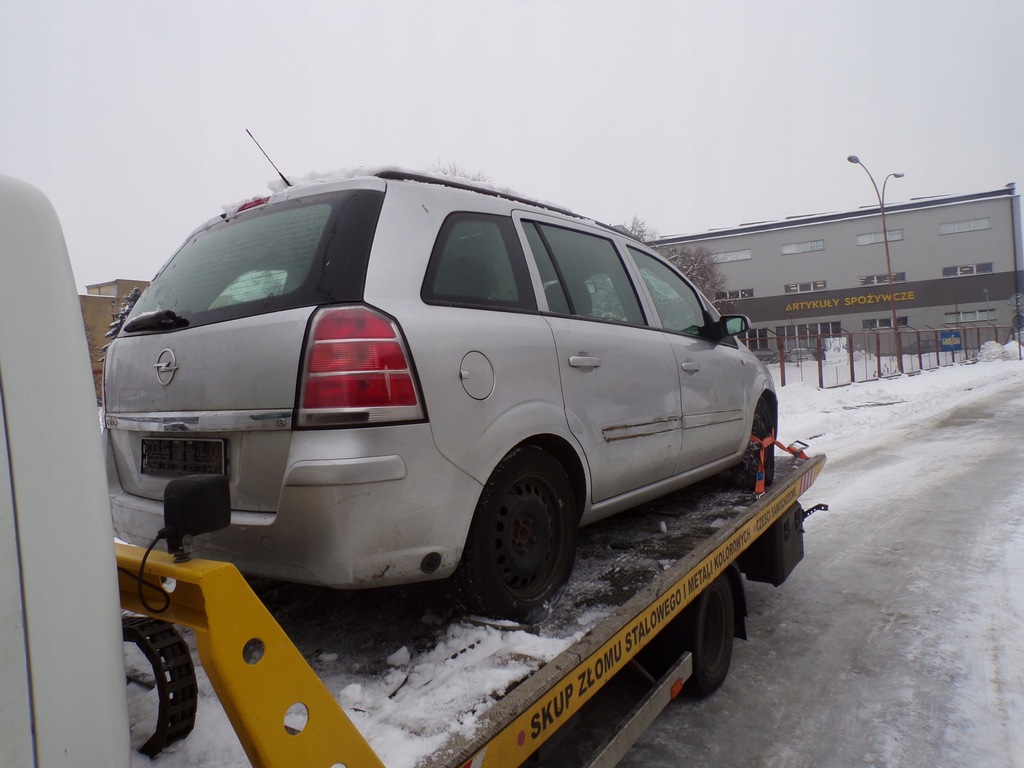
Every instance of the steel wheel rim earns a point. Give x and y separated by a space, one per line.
525 537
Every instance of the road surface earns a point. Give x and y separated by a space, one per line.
899 641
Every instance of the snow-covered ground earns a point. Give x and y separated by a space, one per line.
383 700
899 640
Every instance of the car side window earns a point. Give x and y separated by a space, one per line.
583 275
477 261
676 302
553 290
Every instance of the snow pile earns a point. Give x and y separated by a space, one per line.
418 697
992 350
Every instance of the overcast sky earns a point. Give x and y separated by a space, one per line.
131 116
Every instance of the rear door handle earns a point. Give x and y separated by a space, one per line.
582 361
690 367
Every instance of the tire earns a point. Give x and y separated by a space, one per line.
745 473
522 541
709 637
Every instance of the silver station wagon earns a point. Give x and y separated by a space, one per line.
408 378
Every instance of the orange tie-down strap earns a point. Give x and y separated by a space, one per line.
764 443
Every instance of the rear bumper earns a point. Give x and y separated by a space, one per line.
341 522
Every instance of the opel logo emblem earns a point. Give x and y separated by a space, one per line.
166 366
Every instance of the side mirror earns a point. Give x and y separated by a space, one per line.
733 325
194 505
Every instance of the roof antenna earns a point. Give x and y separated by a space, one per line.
285 180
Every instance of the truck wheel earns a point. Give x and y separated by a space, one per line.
745 473
709 637
522 542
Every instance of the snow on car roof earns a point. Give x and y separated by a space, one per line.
316 181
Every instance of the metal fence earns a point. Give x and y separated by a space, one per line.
835 360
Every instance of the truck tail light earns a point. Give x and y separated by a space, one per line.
356 371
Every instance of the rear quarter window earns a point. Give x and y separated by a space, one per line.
477 261
304 252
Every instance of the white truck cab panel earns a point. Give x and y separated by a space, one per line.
62 691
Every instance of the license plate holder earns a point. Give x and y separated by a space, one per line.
176 457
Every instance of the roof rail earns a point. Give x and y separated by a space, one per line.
399 175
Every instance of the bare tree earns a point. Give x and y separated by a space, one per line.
122 313
641 230
696 262
699 265
451 168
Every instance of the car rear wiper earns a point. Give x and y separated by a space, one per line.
159 320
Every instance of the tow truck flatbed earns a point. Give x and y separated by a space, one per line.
697 545
637 577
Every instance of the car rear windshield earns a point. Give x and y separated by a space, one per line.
296 253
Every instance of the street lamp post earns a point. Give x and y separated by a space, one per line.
885 242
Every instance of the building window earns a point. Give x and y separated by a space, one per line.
759 339
963 270
727 256
810 245
833 328
742 293
104 289
819 285
882 323
973 316
967 225
897 277
876 237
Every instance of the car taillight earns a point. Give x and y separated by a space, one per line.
255 202
357 371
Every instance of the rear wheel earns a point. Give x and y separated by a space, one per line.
522 542
709 637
